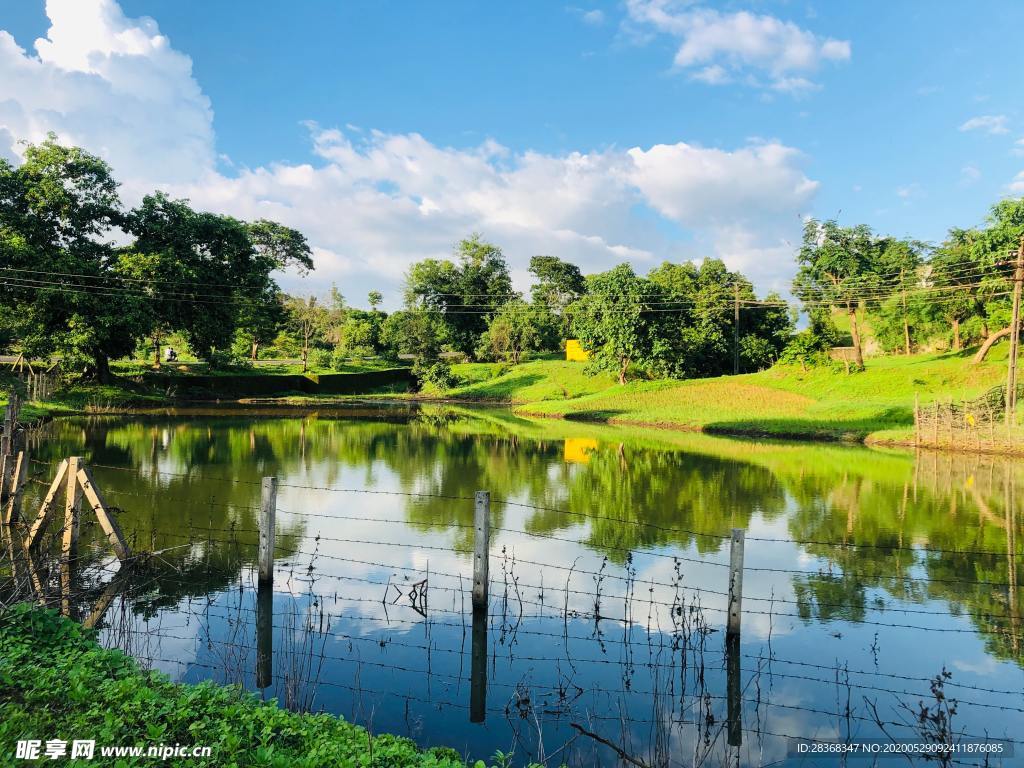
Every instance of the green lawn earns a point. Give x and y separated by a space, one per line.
825 403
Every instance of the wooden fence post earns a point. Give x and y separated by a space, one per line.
72 503
46 509
481 547
107 521
268 510
20 477
735 582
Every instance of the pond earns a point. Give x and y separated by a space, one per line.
867 575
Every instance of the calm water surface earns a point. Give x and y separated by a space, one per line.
868 574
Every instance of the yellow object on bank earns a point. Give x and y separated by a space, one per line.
577 450
574 353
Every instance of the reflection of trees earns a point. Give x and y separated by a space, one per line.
662 494
886 503
962 506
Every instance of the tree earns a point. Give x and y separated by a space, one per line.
62 292
203 272
376 298
261 311
899 261
837 267
613 320
955 277
558 284
513 330
994 249
308 319
360 333
417 332
465 293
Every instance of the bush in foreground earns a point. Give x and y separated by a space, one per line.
56 682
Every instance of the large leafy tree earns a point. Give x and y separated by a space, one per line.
309 320
513 330
61 288
557 284
208 275
698 321
838 267
464 293
994 249
956 276
261 305
614 321
899 262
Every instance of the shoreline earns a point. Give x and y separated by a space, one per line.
270 406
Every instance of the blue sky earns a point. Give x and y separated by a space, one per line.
386 130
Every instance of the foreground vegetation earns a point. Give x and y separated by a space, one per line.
821 402
56 682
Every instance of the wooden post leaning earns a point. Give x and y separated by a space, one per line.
77 481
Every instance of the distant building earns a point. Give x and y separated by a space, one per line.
574 353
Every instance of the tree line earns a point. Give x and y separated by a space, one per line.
917 296
84 278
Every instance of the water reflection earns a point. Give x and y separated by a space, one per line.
607 572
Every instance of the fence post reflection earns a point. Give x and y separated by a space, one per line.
264 634
735 698
478 673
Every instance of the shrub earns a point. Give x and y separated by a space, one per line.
320 358
436 374
805 349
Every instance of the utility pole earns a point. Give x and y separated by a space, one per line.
736 328
906 326
1011 368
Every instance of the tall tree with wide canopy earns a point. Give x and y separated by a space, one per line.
838 266
207 274
61 290
995 249
464 293
899 262
557 284
614 321
955 277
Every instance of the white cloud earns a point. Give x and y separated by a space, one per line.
373 202
593 17
1018 147
993 124
740 42
969 174
1016 186
108 83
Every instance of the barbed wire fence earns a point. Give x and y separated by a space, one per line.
323 613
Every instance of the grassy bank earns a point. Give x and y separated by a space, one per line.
57 683
820 403
825 403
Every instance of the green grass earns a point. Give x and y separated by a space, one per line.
821 403
56 682
528 382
